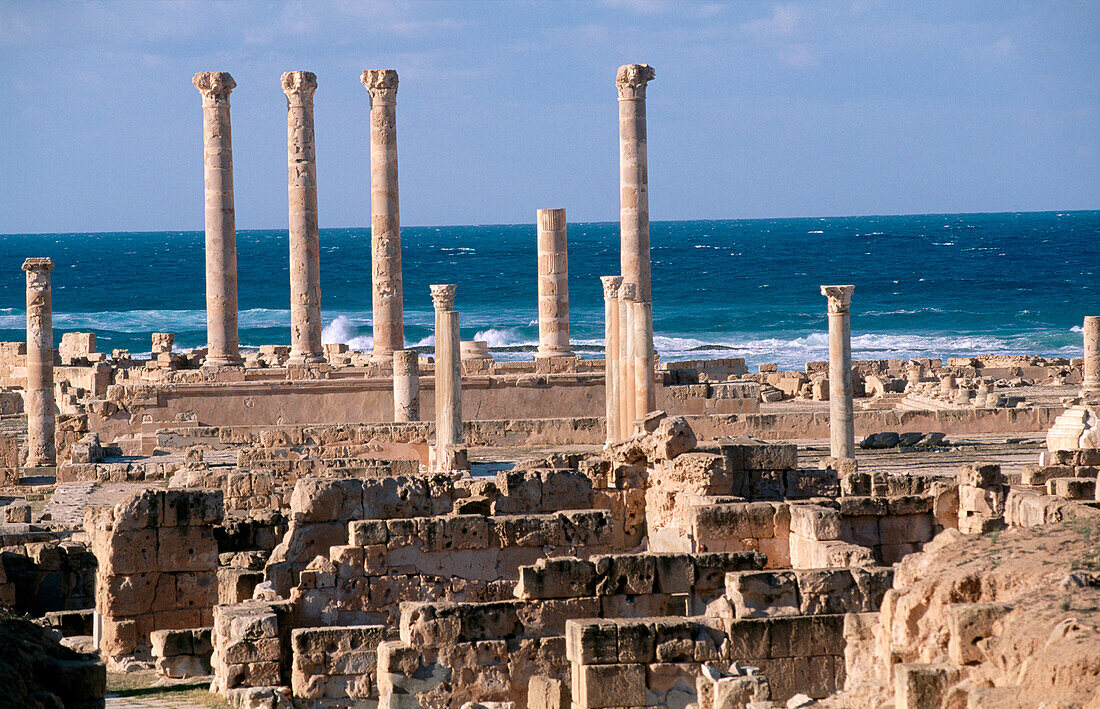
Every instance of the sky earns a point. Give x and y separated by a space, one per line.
758 109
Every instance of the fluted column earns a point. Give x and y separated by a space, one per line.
626 396
611 355
841 425
406 385
631 82
448 371
645 391
553 285
305 260
221 234
385 221
38 399
1091 385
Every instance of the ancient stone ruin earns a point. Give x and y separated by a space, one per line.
311 526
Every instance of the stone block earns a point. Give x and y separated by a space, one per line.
814 522
918 686
761 594
367 532
969 623
1072 488
980 475
559 577
609 685
592 641
465 532
625 573
547 693
905 529
675 573
521 491
711 569
565 490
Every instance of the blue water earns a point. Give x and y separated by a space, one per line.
926 285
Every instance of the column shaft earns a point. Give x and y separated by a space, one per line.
645 392
634 178
448 372
841 423
305 261
1091 384
627 400
553 284
406 386
38 399
611 356
221 235
386 288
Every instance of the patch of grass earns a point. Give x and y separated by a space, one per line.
144 684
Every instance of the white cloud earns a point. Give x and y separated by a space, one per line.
784 22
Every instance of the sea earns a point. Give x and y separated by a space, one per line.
929 285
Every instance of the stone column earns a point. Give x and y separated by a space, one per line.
645 392
221 234
385 219
611 354
448 372
38 396
1091 384
406 385
841 426
633 177
627 292
305 259
553 284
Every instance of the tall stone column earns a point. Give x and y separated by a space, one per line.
1091 384
611 355
553 284
406 385
627 412
305 258
645 391
38 396
221 232
385 219
631 82
448 372
841 426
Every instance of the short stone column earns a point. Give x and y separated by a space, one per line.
631 83
611 355
627 400
841 424
553 285
221 233
406 386
645 391
305 256
38 399
1091 384
448 375
385 219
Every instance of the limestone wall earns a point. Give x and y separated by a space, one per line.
158 560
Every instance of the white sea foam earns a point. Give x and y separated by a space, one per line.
503 337
342 330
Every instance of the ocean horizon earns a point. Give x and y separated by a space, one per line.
929 285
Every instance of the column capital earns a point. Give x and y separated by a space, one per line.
299 86
631 81
381 84
611 286
443 296
38 264
214 86
628 291
839 297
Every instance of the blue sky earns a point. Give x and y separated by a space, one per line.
758 109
